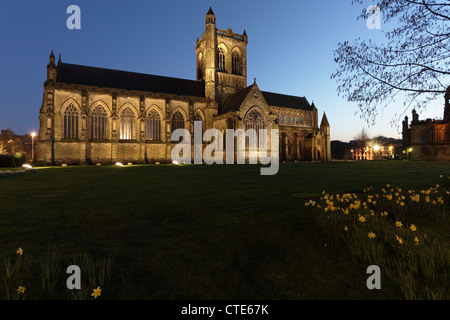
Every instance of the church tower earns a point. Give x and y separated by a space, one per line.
206 56
221 60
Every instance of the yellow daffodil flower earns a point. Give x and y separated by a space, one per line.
96 292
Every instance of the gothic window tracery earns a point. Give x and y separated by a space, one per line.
127 125
99 119
255 120
153 126
220 60
177 121
71 122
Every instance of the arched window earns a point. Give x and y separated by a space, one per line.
297 120
236 63
153 126
280 118
198 117
127 125
292 119
200 66
220 60
177 121
99 120
71 122
254 120
307 119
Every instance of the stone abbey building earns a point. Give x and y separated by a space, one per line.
428 139
93 115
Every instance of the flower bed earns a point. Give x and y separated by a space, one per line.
394 229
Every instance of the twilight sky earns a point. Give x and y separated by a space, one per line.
290 49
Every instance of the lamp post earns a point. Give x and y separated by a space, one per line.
33 134
13 151
377 150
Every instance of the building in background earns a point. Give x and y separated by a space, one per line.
94 115
428 139
11 143
380 148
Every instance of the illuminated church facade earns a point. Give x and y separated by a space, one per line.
93 115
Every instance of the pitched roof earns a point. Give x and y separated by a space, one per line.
234 101
324 122
286 101
116 79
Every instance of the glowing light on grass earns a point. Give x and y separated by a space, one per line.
175 163
119 164
26 166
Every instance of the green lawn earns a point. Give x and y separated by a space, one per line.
198 232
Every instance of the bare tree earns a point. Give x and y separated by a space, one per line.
412 64
362 138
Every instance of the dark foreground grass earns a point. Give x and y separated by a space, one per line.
198 232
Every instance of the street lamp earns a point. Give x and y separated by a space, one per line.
377 150
33 134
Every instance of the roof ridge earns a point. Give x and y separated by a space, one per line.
125 71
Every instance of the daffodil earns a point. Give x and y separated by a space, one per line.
19 251
371 235
346 228
413 227
416 240
96 292
398 224
362 219
20 290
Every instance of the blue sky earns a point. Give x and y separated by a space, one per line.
290 49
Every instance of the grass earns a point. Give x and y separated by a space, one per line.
193 232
